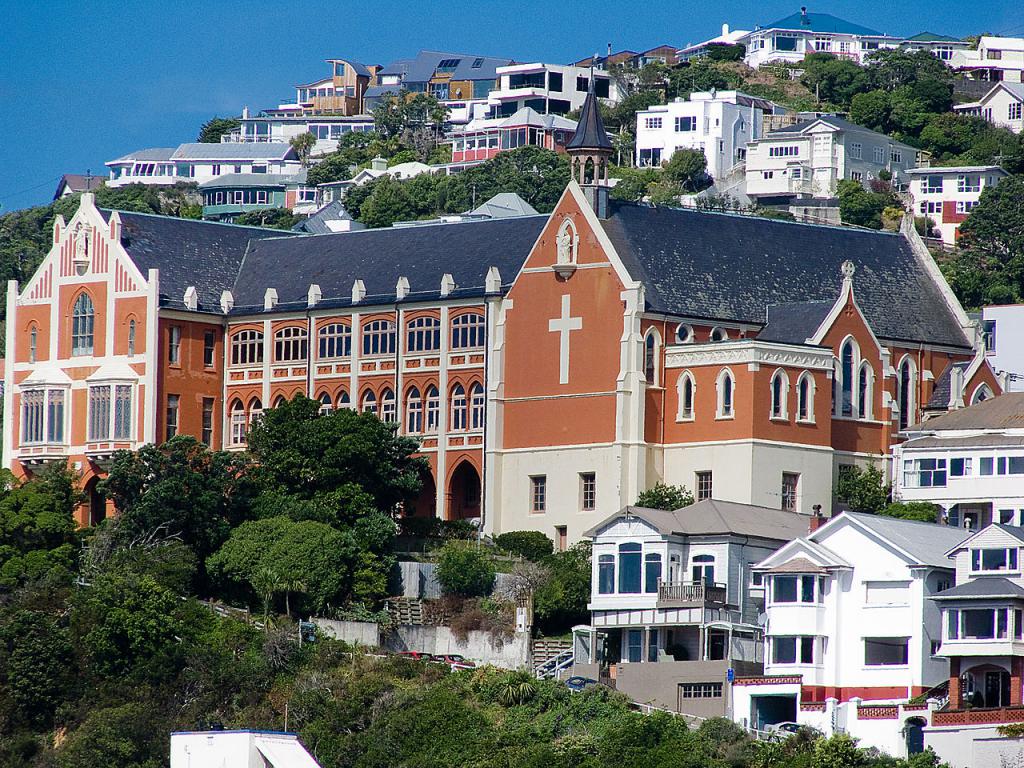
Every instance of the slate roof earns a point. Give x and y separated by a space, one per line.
317 223
729 267
233 150
981 588
836 122
590 132
188 252
712 516
154 153
795 323
927 543
1006 411
943 385
379 257
822 22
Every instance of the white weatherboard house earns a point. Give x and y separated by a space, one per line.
809 159
717 123
239 749
1003 106
948 195
198 162
983 639
793 37
851 637
969 462
1003 326
996 59
674 603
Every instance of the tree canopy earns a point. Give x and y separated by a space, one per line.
215 127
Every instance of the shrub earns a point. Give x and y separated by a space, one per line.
464 571
532 545
667 497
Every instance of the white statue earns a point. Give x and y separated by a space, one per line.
564 242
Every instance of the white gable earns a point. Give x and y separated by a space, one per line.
626 527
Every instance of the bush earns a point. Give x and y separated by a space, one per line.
532 545
922 511
465 572
667 497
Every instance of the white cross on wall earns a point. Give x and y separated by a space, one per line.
563 326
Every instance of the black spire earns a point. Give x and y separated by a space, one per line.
590 132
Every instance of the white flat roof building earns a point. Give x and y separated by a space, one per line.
1003 328
198 162
548 88
996 58
239 749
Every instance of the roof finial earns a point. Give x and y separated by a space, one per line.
848 269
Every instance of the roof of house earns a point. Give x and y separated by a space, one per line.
822 22
379 257
981 588
317 223
504 205
943 385
970 441
836 122
713 516
77 182
933 37
246 180
590 132
731 267
795 323
233 150
1006 411
927 543
188 252
421 68
154 153
932 170
798 565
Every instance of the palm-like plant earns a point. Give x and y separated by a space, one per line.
266 582
518 688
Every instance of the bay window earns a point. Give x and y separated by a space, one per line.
32 416
793 650
797 589
980 624
110 412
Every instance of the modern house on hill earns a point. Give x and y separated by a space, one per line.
946 195
791 38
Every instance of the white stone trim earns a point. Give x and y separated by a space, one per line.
747 352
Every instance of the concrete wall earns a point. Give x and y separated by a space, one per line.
974 746
479 647
362 632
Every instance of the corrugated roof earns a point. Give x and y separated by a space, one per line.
379 257
317 223
713 516
731 267
1006 411
981 588
234 150
822 22
927 543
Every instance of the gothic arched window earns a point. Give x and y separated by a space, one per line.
83 321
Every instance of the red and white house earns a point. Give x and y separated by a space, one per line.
947 195
483 138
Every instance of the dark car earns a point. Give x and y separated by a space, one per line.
578 683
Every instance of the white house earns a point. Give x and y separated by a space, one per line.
1003 327
720 124
969 462
810 159
793 37
947 195
674 603
995 59
850 635
1002 106
700 50
239 749
983 639
548 88
198 162
280 128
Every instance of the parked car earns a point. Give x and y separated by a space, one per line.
578 682
456 661
783 730
418 655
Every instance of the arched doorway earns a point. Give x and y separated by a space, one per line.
425 503
986 687
913 732
95 502
464 493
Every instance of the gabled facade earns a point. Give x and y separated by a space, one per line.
947 194
849 623
340 93
483 138
674 603
809 159
1002 106
995 59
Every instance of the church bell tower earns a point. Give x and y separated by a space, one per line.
590 151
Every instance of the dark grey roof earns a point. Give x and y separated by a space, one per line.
836 122
1006 411
317 223
795 323
153 153
983 587
376 91
77 182
422 68
715 517
590 132
731 267
234 150
956 443
379 257
188 252
942 390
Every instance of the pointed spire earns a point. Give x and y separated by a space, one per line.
590 132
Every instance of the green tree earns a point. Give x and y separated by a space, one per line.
179 489
862 490
667 497
274 218
561 601
216 127
922 511
892 68
132 735
862 208
303 145
354 149
871 109
833 80
465 571
532 545
949 135
389 202
689 169
38 666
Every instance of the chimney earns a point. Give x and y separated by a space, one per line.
725 30
379 164
609 49
804 18
817 519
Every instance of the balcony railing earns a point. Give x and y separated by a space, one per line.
690 594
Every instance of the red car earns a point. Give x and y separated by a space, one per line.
418 656
455 661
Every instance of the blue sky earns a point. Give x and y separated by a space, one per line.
85 82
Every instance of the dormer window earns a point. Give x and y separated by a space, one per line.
994 560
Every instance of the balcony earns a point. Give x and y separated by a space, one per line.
41 454
690 594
